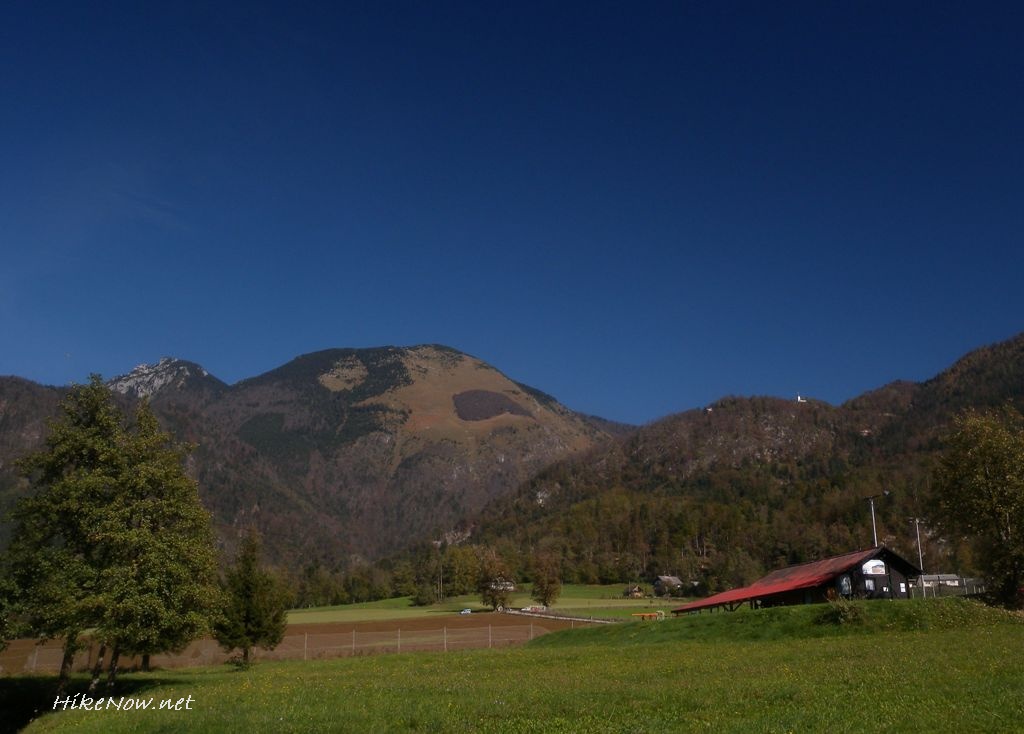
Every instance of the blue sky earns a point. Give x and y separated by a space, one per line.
638 208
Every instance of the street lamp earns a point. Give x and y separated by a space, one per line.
920 555
871 499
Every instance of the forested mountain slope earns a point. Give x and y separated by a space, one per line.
722 494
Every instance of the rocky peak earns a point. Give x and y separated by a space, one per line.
148 379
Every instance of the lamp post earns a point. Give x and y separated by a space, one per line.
920 555
871 500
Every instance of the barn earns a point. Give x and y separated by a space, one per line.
876 573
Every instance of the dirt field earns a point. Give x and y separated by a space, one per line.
312 641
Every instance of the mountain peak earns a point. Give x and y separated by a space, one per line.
147 380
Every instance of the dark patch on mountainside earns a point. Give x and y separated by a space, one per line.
479 405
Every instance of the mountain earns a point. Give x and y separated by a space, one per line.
722 494
363 452
339 453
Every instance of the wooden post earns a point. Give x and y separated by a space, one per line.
399 639
353 640
305 646
488 635
446 638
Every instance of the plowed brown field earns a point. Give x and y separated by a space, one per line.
321 640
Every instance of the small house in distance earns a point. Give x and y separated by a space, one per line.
668 586
946 584
876 573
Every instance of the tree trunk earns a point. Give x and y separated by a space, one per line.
112 673
245 656
70 647
97 669
145 663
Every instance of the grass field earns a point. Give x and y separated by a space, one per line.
926 666
576 599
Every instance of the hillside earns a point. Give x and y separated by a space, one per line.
341 452
718 496
25 408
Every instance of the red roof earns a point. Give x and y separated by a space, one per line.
803 576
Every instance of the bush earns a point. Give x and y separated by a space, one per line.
425 596
841 611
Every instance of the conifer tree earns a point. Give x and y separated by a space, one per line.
255 603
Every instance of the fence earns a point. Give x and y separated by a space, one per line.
934 586
25 656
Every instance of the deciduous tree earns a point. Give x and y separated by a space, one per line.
547 579
54 558
495 581
160 581
113 537
461 570
979 491
6 618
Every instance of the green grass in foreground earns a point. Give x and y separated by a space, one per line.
945 665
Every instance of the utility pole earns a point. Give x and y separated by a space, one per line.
440 582
920 554
871 500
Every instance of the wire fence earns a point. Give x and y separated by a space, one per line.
936 586
26 656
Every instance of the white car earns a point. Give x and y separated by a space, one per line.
466 611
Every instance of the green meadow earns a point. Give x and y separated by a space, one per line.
582 600
924 666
